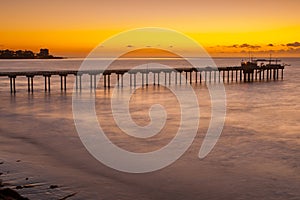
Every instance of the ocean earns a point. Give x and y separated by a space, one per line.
257 155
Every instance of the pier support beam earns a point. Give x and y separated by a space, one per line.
130 80
30 82
215 76
93 81
47 82
63 81
165 78
104 80
12 83
108 80
134 79
200 77
241 75
255 74
180 78
78 85
147 77
186 76
228 76
260 75
118 80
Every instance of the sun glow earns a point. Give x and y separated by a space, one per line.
229 29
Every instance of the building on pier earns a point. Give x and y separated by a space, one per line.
258 66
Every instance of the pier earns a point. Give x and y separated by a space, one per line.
192 75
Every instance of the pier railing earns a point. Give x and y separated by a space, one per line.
192 75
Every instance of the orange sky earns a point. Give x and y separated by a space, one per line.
224 28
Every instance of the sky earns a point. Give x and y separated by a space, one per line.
222 27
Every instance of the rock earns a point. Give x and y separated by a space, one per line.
68 196
1 163
29 185
53 186
9 194
18 187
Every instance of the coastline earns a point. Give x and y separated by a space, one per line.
49 58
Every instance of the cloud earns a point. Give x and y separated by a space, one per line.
270 45
129 46
291 51
245 45
230 46
250 46
242 46
294 44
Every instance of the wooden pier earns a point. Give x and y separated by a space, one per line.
192 75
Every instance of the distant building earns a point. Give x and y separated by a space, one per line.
21 54
44 53
28 54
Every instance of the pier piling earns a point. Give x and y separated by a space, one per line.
191 75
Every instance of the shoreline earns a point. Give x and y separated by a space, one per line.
7 192
50 58
14 185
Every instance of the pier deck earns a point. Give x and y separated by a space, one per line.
193 74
